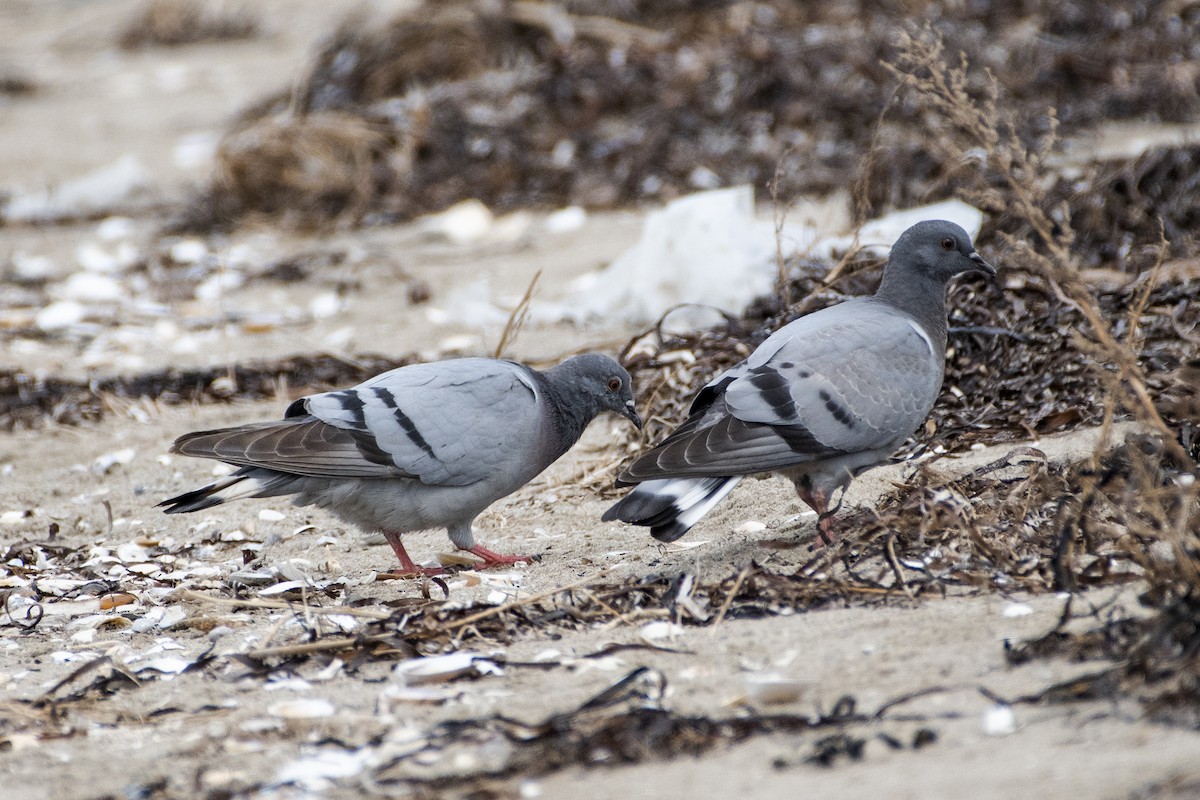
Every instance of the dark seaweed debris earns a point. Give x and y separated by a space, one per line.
27 401
525 104
1157 658
170 23
1014 370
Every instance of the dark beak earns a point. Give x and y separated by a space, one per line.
983 266
631 414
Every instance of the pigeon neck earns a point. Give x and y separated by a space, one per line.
563 405
920 297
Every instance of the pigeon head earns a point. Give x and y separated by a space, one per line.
599 382
936 249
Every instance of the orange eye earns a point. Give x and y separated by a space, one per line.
614 384
947 244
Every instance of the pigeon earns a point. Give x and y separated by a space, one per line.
824 398
423 446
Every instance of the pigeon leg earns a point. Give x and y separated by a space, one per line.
407 567
818 501
493 559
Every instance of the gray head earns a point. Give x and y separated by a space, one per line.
935 249
596 382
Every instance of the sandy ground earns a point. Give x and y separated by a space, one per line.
225 731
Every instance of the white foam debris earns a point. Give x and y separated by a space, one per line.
95 191
195 150
92 287
471 305
711 249
999 720
462 223
60 316
188 251
112 229
565 220
1017 610
706 248
324 305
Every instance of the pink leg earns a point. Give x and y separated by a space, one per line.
818 501
493 559
407 567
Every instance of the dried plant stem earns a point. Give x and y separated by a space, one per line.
1011 181
285 605
524 601
512 328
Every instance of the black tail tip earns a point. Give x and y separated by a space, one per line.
196 500
669 532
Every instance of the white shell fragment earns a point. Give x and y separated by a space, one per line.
60 315
104 464
1017 610
771 687
657 631
302 708
417 671
999 720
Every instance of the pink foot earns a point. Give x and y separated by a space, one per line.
493 559
407 566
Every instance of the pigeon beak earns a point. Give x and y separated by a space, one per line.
631 414
983 266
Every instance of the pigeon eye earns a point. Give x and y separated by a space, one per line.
947 244
614 384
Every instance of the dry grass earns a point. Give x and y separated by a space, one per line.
170 23
308 169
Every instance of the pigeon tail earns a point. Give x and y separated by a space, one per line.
246 482
671 506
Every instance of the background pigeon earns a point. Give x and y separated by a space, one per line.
825 397
423 446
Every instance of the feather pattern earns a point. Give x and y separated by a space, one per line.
823 398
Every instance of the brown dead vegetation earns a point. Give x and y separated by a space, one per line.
170 23
523 104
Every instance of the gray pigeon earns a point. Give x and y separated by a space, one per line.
422 446
824 398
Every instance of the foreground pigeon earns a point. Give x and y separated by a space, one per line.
423 446
824 398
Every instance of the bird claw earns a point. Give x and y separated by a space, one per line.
413 571
494 559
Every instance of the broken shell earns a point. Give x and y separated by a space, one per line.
456 560
431 695
252 578
1017 610
110 601
999 720
432 669
771 687
281 588
654 631
302 708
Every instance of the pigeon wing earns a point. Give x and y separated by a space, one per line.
449 423
855 377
